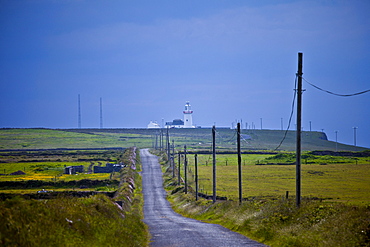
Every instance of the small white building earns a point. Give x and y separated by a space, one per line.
153 125
176 123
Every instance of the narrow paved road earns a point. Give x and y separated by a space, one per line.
171 229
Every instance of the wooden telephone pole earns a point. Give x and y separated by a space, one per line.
173 158
178 169
299 127
239 165
214 161
196 176
185 171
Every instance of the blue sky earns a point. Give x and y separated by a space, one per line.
231 59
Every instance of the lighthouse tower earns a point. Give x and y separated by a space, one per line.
188 118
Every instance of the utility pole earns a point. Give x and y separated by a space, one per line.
214 161
239 166
354 134
310 126
160 139
185 171
156 140
299 124
168 146
162 142
173 158
178 170
196 176
336 141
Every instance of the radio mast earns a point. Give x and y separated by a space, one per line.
79 112
101 113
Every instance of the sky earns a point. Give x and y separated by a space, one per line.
232 60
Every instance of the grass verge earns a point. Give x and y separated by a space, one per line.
279 222
92 221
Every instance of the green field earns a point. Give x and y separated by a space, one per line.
344 182
327 179
334 210
199 139
49 165
37 152
52 139
67 219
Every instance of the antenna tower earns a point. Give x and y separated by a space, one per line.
101 113
79 112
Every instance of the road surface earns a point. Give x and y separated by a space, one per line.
171 229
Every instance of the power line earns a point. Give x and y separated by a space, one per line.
291 114
242 138
337 94
223 138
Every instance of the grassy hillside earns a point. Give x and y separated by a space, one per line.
193 138
51 139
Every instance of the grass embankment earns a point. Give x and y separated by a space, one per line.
277 221
65 221
281 223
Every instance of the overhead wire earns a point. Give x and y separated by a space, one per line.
242 138
337 94
224 138
291 114
319 88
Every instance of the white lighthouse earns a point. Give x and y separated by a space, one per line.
188 118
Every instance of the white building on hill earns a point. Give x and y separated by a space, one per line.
188 119
153 125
